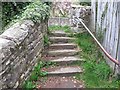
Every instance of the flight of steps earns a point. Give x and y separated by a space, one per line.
63 51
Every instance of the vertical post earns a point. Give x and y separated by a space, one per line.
93 14
118 8
118 53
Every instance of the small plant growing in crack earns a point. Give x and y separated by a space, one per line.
28 85
36 73
46 40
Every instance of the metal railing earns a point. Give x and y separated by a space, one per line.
101 47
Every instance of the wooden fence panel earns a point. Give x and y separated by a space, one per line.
93 16
118 8
108 25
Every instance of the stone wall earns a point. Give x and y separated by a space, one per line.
20 47
62 21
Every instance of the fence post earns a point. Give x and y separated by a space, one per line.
118 55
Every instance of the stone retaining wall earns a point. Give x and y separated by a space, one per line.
20 47
61 21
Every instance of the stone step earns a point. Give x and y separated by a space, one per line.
66 59
61 39
66 70
63 46
65 82
59 33
64 52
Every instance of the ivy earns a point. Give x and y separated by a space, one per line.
10 10
36 11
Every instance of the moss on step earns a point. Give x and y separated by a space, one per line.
67 29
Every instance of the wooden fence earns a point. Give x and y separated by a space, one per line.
106 23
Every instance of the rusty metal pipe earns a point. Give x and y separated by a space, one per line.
101 47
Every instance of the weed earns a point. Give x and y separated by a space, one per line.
36 73
118 83
46 40
34 76
28 85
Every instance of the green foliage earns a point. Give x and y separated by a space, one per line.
85 2
97 74
1 18
36 73
36 11
46 40
28 85
42 74
34 76
10 10
86 45
118 82
57 27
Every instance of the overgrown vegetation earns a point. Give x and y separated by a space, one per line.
36 73
35 11
46 40
67 29
97 74
10 11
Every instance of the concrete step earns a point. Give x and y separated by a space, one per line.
67 59
63 46
64 52
59 33
65 70
61 39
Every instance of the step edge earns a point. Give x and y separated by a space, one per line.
49 73
82 60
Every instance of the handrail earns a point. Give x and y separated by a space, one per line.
101 47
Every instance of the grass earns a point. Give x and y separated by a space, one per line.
57 27
97 74
30 84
